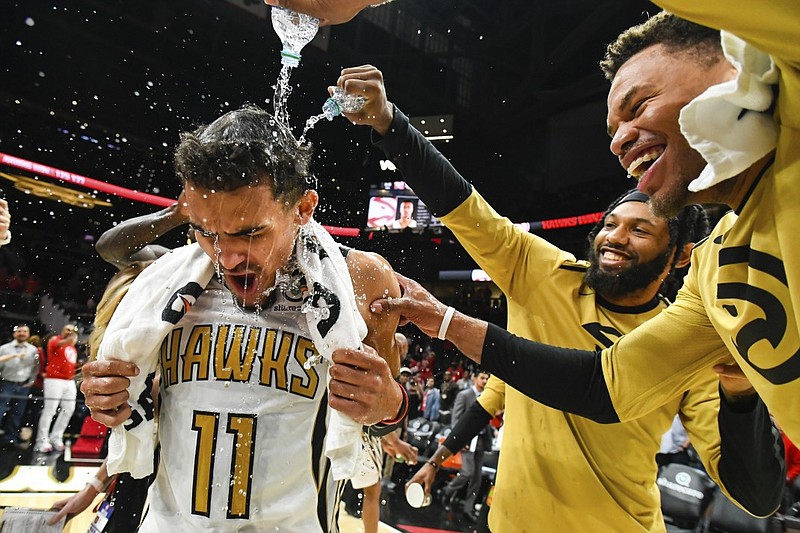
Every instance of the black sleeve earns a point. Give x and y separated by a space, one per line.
423 167
562 378
752 463
470 424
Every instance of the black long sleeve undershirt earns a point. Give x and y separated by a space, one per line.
572 380
416 159
468 426
752 466
562 378
751 454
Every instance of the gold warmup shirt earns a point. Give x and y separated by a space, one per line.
559 472
742 293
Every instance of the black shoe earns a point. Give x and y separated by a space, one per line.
471 517
446 500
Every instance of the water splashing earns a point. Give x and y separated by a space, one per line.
310 123
282 91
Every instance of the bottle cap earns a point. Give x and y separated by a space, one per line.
416 497
331 108
289 58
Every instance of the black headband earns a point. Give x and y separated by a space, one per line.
634 196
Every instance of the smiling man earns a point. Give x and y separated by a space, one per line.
243 414
573 474
679 124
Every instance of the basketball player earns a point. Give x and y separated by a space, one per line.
243 420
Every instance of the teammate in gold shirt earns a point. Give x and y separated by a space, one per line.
574 474
740 295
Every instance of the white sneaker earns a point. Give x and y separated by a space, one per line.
57 445
43 447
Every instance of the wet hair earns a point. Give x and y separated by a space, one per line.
245 147
116 289
690 226
676 34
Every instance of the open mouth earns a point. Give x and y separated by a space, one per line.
640 165
242 283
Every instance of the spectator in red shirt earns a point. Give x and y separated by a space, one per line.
59 389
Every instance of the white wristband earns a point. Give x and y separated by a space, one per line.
96 483
448 316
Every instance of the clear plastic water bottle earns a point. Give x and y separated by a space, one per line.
341 102
295 31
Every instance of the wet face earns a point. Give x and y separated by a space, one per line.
22 333
630 251
248 234
644 104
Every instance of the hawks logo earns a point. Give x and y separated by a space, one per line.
771 326
325 300
181 302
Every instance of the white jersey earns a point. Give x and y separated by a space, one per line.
241 423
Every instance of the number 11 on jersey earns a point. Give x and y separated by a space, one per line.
243 429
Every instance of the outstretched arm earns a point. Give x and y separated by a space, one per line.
129 241
78 502
468 426
563 378
573 381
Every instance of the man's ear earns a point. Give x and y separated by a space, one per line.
308 203
686 255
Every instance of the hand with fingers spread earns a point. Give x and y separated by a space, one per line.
421 308
367 81
362 386
416 306
105 385
327 11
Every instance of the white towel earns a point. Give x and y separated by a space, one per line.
730 124
333 322
156 300
165 291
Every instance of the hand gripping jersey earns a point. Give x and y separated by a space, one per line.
241 422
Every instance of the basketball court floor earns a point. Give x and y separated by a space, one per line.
36 481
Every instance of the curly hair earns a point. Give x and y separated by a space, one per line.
690 226
244 147
676 34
